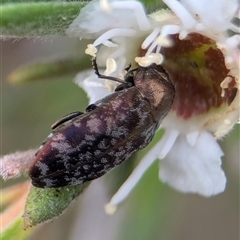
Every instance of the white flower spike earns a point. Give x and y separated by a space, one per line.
191 41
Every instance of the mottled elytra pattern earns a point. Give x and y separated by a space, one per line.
83 147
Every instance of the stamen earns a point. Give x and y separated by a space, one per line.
158 48
169 138
234 28
224 84
111 66
152 46
160 41
119 52
150 38
133 179
110 209
233 41
139 12
124 32
120 60
223 93
183 33
110 44
91 50
185 17
169 29
148 60
163 42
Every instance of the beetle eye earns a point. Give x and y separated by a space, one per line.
90 107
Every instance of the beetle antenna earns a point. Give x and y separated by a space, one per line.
128 67
95 68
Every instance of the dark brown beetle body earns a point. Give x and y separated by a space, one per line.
85 146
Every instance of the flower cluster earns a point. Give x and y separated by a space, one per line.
192 42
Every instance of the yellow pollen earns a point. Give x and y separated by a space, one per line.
148 60
110 209
182 34
91 50
164 41
223 93
111 66
224 84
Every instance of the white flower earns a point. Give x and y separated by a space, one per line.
192 44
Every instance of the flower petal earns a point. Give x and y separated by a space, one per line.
89 26
92 85
215 14
195 169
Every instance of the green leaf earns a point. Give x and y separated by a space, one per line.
38 19
15 231
45 204
50 70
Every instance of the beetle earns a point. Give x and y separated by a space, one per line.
85 146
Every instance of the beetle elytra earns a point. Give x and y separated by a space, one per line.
85 146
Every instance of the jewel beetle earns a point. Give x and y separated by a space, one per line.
85 146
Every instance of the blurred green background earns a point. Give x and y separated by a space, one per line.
153 210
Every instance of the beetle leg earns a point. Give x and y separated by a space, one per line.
65 119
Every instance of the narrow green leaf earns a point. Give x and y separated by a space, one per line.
38 19
50 70
15 231
45 204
